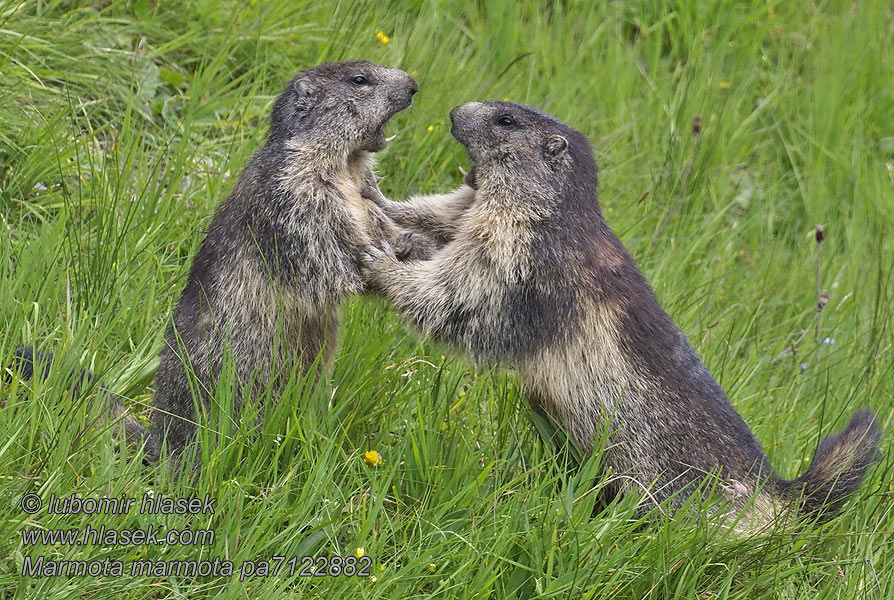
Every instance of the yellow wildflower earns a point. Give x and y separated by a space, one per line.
372 458
431 128
382 37
359 552
725 85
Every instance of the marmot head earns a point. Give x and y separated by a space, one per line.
342 105
508 141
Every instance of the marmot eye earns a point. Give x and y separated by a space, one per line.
360 80
506 121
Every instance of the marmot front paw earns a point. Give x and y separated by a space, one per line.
412 246
369 190
372 255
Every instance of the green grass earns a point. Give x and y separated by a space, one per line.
122 125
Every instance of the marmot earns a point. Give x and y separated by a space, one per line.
282 251
534 279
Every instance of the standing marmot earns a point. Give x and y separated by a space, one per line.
536 280
282 251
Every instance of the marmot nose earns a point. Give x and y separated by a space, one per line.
463 110
414 87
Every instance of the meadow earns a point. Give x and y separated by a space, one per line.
123 125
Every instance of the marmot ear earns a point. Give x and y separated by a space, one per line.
556 145
303 88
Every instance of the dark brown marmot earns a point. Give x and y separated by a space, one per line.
535 279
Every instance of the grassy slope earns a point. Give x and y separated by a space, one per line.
122 125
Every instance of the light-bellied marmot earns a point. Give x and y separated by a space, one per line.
282 251
535 279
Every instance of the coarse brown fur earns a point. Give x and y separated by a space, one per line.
282 251
535 279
